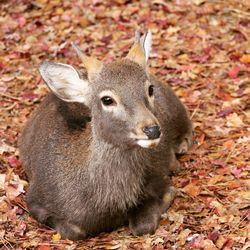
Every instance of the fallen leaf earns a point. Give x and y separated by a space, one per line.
192 190
220 209
215 179
13 161
14 187
234 72
245 58
56 237
198 2
182 237
233 120
236 172
43 247
214 236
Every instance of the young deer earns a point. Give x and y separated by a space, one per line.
100 147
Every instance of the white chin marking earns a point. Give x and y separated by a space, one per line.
148 143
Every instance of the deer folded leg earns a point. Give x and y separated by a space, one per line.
174 164
168 198
185 144
145 219
66 229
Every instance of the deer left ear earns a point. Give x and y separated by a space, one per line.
141 48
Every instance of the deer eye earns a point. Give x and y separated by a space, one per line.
107 101
151 90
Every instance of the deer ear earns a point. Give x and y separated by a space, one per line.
64 81
140 50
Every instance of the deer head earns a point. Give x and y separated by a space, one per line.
119 94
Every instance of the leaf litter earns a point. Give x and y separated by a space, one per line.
200 48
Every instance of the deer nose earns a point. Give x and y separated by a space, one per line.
152 132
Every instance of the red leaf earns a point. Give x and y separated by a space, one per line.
234 72
20 229
213 236
163 23
107 39
43 247
235 56
224 112
219 162
21 22
2 66
229 243
29 95
236 172
13 161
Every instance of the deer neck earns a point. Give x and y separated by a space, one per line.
117 174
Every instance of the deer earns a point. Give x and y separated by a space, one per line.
100 149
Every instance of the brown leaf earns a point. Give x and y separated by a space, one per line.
192 190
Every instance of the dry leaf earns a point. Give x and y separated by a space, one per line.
56 237
233 120
182 237
192 190
245 58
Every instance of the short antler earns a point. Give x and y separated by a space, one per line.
92 65
140 50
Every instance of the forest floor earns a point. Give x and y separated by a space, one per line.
201 48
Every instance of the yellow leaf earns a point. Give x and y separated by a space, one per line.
220 241
182 237
198 2
220 208
215 179
234 120
245 58
59 11
56 237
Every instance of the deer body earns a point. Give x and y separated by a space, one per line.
97 164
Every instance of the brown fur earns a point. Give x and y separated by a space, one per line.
86 176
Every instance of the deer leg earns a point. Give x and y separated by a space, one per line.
43 215
168 198
145 219
174 164
185 144
66 229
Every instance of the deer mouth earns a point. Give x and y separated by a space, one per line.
147 143
144 141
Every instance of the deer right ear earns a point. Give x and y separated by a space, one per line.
64 81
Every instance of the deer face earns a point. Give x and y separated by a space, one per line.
123 105
119 94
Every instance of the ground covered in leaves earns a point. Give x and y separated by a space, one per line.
201 48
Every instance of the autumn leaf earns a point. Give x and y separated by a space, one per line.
234 120
233 73
43 247
56 237
245 58
192 190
